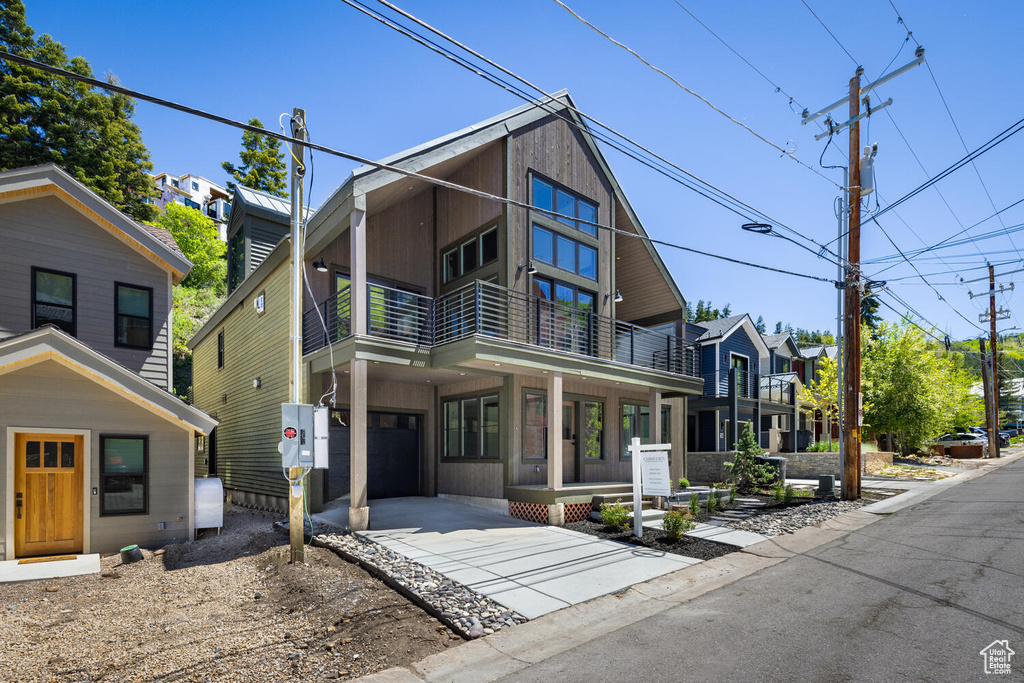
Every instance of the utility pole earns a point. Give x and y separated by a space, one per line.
852 283
986 386
298 170
995 354
991 366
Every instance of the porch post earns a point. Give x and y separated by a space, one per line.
655 408
732 436
757 407
796 425
554 430
358 512
357 268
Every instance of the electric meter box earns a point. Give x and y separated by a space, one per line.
296 435
321 430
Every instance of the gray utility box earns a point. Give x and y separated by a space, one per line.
296 435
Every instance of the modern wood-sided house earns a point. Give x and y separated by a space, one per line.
97 453
482 351
748 376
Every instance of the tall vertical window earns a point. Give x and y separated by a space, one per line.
53 299
124 475
535 427
593 429
133 320
636 422
564 252
471 427
236 260
220 349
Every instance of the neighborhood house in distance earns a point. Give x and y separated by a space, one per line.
97 452
482 351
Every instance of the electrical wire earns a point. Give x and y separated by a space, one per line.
384 166
720 195
700 97
829 31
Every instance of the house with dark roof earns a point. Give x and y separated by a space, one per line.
96 451
748 378
470 348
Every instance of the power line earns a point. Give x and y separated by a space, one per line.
720 195
827 29
700 97
376 164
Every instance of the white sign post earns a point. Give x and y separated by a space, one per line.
650 477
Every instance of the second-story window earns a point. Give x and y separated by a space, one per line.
220 349
53 299
236 260
133 317
469 255
564 253
195 186
547 195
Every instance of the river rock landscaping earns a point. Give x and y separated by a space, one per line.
655 539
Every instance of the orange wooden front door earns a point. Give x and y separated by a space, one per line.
48 500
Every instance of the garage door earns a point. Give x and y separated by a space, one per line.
393 454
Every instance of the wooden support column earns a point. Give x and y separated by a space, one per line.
359 511
655 408
357 266
732 434
554 405
794 432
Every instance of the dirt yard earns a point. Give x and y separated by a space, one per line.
225 608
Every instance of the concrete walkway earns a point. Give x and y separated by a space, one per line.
13 570
530 568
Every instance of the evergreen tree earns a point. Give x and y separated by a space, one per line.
262 166
778 327
51 119
761 327
869 316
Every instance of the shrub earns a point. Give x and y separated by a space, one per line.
712 502
732 494
746 472
684 483
677 523
614 516
778 492
694 503
823 447
787 494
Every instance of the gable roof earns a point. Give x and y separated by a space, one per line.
718 330
774 341
445 148
153 242
48 343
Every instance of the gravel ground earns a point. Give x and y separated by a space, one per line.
789 519
656 539
225 608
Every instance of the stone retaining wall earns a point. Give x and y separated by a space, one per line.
705 468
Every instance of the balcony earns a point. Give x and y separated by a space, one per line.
777 388
488 310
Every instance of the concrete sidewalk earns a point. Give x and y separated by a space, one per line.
530 568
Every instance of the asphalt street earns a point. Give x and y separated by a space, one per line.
915 596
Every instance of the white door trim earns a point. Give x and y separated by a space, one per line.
86 435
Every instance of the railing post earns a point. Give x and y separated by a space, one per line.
476 309
632 344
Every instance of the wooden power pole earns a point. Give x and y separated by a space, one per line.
986 387
851 331
994 421
296 498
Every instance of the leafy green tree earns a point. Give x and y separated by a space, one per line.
191 308
199 240
51 119
262 166
823 392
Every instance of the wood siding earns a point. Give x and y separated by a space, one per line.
556 150
27 401
474 478
458 213
48 233
250 419
645 292
261 238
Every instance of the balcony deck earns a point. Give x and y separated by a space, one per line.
490 311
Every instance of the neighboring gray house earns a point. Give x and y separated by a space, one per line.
96 451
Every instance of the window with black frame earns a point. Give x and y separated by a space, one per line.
124 475
133 325
53 299
471 427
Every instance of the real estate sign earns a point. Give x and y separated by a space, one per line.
654 474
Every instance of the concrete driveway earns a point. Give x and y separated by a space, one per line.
530 568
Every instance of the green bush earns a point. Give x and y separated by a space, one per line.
712 502
823 447
694 503
677 523
787 494
615 516
732 494
778 492
684 483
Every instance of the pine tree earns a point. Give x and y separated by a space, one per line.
778 327
262 166
51 119
869 316
759 325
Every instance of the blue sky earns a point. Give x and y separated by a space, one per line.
372 92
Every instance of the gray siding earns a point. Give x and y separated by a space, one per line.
263 235
28 401
48 233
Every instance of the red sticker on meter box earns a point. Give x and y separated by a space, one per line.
290 432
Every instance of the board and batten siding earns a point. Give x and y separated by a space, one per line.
556 150
255 346
738 342
46 232
475 478
28 400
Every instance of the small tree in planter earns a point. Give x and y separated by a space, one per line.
746 471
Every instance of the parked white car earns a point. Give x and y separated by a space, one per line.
963 439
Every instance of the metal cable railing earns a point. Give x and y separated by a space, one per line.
336 314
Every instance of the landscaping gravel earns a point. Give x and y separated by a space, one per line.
472 613
698 548
775 522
